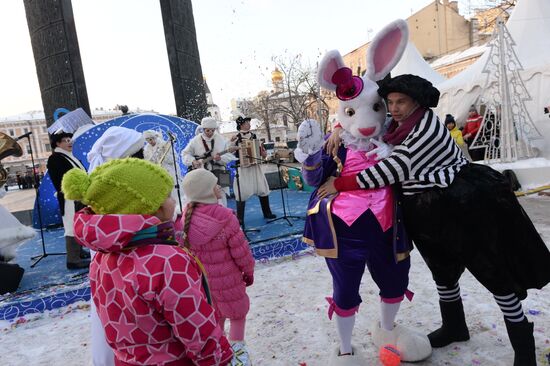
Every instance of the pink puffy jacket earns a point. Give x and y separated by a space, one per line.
150 298
218 241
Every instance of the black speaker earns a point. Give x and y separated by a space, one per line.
10 275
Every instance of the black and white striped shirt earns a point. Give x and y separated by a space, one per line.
428 157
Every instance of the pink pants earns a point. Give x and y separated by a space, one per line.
236 328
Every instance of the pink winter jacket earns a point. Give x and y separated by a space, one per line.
218 241
150 298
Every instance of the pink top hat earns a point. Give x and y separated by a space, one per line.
347 85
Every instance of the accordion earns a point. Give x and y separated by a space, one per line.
249 153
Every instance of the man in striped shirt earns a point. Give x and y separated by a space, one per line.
501 248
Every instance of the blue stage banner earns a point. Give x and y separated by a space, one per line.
290 248
20 309
181 128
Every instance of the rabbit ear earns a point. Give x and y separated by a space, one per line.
331 62
386 49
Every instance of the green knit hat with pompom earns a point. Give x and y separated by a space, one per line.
121 186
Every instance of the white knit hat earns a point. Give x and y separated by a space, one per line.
209 122
198 186
115 143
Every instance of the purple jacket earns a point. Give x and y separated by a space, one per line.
319 230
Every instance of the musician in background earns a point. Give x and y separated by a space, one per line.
208 150
60 162
252 180
159 151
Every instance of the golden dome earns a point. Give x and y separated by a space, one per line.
276 75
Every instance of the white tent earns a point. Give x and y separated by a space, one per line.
412 63
529 25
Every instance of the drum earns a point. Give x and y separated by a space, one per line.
224 177
249 153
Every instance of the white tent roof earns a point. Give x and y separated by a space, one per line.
412 63
529 26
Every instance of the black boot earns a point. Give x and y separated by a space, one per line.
73 254
523 342
240 211
454 328
264 201
84 254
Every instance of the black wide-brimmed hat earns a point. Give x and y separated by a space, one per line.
420 89
241 120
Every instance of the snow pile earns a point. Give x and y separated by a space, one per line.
287 324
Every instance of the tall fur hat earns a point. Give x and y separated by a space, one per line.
209 122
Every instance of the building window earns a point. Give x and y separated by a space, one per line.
48 147
11 133
28 149
26 130
44 129
277 139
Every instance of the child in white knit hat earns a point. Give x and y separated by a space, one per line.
213 234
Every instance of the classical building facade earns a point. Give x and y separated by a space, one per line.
442 35
36 123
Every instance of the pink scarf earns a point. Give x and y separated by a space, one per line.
396 134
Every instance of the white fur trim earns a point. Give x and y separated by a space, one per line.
12 237
377 45
329 64
413 346
150 134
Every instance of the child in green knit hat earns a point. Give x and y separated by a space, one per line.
142 282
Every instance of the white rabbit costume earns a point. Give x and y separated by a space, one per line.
360 228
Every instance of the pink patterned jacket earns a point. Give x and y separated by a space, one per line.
218 241
149 298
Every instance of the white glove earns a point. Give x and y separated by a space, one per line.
382 150
300 155
310 137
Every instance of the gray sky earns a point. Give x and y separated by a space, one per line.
124 53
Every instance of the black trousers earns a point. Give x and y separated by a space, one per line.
478 224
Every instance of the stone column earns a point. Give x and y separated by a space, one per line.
56 55
183 55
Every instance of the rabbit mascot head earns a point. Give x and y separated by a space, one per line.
361 110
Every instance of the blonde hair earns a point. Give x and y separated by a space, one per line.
187 221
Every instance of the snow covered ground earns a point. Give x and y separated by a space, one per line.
287 324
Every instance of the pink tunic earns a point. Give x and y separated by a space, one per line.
350 205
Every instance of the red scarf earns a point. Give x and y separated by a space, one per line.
396 134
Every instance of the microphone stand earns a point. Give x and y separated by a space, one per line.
37 258
177 186
285 216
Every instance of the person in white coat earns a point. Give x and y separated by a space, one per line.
252 179
210 150
159 151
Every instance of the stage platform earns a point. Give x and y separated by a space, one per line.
50 285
